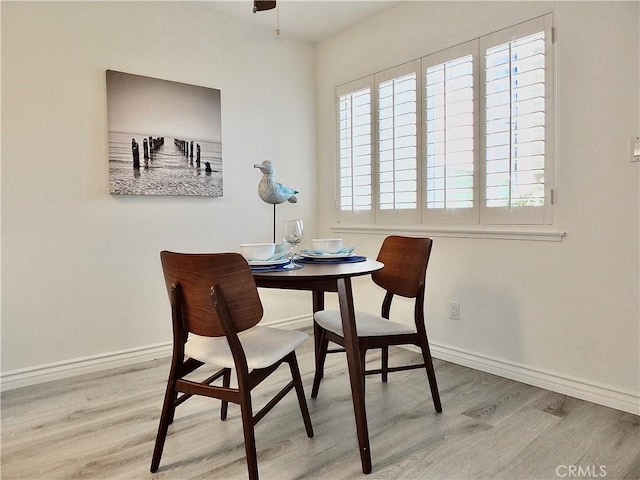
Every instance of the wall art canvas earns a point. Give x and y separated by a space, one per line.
165 138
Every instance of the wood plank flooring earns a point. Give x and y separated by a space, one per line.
103 426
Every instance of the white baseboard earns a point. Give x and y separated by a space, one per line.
291 323
24 377
574 387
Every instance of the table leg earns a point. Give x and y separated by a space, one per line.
347 312
318 304
318 301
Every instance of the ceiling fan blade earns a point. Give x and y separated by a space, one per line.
260 5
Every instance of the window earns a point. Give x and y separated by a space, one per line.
397 144
461 136
355 151
516 129
451 132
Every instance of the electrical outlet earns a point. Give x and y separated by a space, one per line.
454 310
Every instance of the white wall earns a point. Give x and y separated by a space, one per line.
565 312
80 268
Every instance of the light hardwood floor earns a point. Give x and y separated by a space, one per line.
103 426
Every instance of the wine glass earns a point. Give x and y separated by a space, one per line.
292 236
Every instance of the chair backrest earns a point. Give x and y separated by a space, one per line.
405 265
196 274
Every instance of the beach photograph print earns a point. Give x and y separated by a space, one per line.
165 138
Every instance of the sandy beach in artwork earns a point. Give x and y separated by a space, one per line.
168 170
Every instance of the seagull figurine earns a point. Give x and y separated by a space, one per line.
271 191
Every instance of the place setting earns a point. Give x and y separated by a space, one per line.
273 257
265 256
329 250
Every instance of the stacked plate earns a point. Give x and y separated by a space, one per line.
266 264
345 252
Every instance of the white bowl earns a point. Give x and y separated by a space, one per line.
257 251
328 245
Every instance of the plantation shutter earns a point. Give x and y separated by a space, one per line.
355 169
397 140
465 135
516 97
450 135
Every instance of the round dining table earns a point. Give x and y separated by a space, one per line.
319 278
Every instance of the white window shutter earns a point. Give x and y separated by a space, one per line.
450 135
464 135
398 168
355 144
517 141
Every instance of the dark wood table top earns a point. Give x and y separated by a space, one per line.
315 276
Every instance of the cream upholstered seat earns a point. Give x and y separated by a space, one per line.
263 347
405 262
215 311
367 324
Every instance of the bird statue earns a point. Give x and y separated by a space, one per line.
271 191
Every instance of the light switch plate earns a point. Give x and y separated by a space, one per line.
635 154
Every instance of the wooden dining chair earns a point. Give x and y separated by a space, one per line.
215 311
405 265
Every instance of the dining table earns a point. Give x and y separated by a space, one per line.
320 277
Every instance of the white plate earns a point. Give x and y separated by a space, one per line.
267 263
320 256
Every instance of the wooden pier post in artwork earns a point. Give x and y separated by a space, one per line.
198 155
136 154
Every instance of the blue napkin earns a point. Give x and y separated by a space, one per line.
351 259
268 268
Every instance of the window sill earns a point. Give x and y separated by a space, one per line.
493 232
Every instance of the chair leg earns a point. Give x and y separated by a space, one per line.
166 418
172 412
226 381
249 436
322 345
431 375
385 364
297 382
